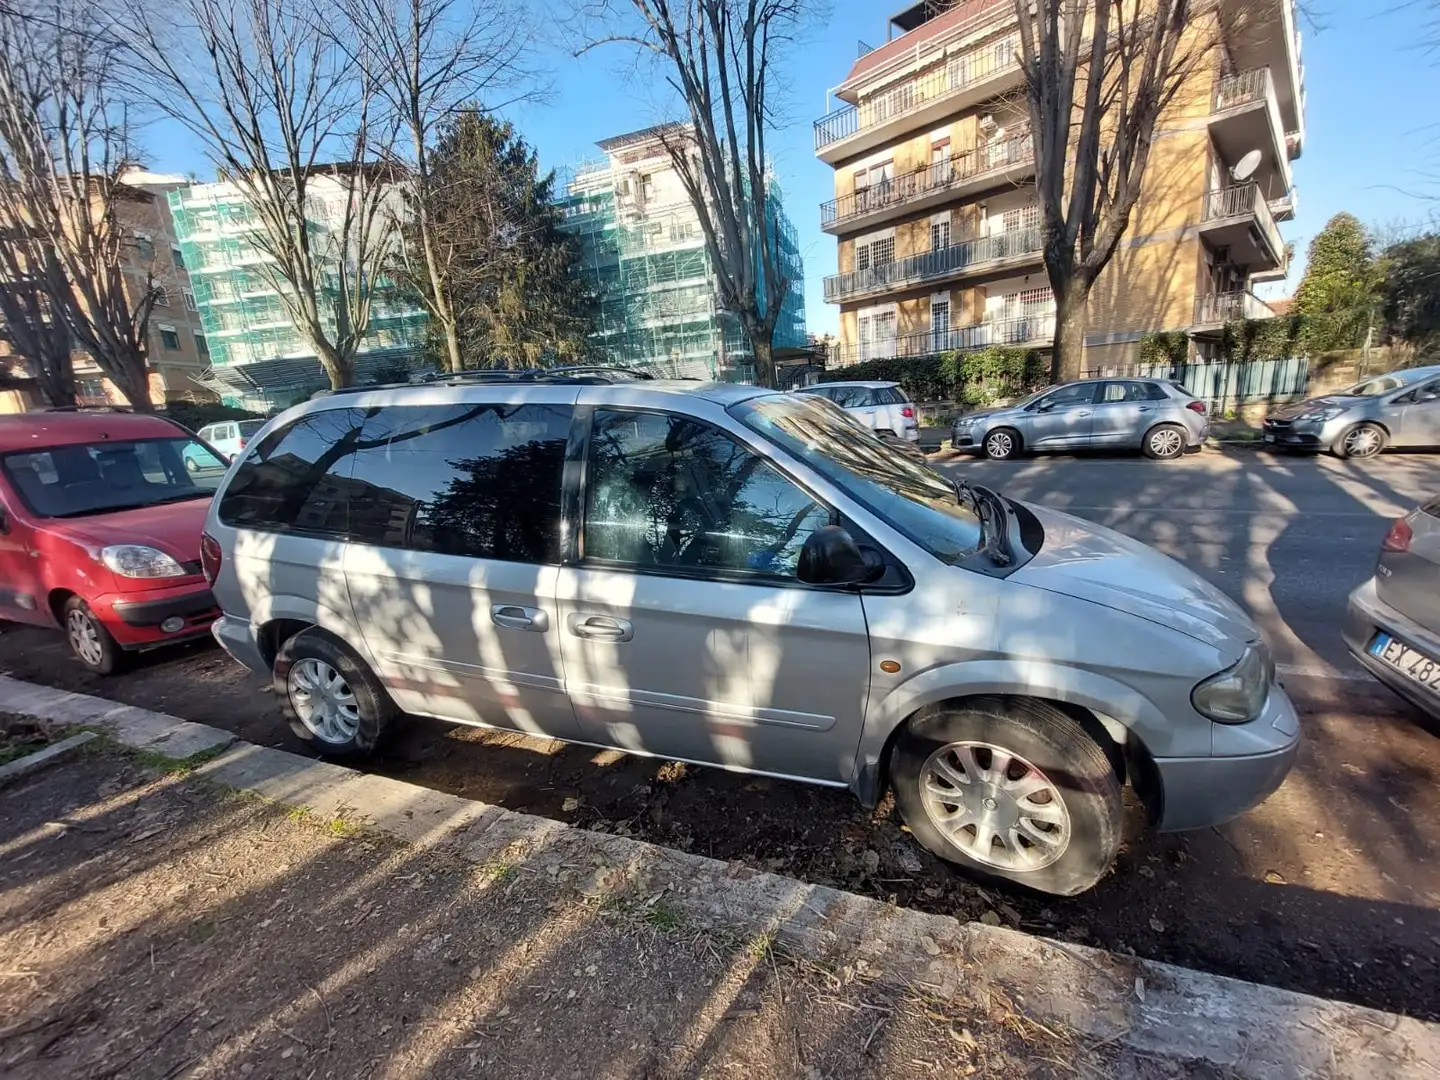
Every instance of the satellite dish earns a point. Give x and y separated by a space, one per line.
1246 166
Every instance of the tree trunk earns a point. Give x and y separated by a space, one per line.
56 377
452 346
340 370
132 379
1068 358
764 347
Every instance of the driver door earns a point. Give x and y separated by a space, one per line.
1062 418
1419 416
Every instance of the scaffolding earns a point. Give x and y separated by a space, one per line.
644 256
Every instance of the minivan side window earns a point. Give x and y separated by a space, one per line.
667 492
297 479
483 481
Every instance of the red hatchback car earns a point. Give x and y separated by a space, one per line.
100 521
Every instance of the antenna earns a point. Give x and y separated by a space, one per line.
1246 166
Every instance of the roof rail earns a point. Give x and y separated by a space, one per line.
579 375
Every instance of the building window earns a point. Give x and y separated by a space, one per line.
877 252
144 246
940 233
939 322
877 334
178 258
202 346
93 387
189 300
1022 217
162 298
169 339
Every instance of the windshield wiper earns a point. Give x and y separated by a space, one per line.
989 506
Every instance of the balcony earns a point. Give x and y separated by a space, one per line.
984 254
1239 218
963 80
1028 330
1220 308
1263 33
1006 161
1246 117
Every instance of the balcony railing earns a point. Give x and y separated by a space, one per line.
958 73
1024 330
1243 88
933 265
1242 201
1229 306
952 172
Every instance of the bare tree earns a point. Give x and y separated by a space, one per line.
428 58
30 276
720 57
1098 74
64 145
292 119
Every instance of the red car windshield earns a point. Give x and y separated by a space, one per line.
100 478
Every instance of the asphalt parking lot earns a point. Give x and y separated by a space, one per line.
1331 887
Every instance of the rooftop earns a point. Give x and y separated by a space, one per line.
922 21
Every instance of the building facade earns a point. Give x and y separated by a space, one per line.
258 358
643 252
935 212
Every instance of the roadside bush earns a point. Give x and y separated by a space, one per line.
1165 347
985 376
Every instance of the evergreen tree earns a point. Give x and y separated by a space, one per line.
1412 290
1340 291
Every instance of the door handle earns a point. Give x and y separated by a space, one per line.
515 617
1143 408
599 627
1084 412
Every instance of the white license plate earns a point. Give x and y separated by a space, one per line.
1411 663
1269 438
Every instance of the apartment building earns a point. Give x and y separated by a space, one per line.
643 252
935 213
177 356
257 358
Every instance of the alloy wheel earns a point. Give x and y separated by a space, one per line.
323 701
1361 441
999 444
1166 443
995 806
84 637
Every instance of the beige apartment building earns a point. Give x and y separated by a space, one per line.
935 212
178 352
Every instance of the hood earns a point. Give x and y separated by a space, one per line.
983 414
1103 566
1300 408
174 528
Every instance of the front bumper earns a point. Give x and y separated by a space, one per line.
134 619
1303 435
963 439
1366 614
1197 792
237 637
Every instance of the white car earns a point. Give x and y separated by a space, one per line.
229 436
881 406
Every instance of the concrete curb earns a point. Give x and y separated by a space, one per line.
41 758
1156 1009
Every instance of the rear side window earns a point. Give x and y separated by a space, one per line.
891 395
476 480
296 480
852 397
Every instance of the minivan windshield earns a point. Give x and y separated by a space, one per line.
912 497
100 478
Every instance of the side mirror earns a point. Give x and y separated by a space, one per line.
1044 405
1427 395
830 556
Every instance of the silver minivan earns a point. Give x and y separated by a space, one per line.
744 579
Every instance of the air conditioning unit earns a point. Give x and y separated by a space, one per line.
988 126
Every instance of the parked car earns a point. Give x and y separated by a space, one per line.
1401 408
881 406
1393 624
100 530
1157 416
729 576
229 436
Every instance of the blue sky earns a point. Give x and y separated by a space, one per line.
1370 125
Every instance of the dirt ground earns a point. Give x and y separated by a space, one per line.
152 926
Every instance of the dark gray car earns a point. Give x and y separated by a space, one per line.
1393 626
1401 408
1154 415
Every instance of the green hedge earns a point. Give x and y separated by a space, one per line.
977 378
919 376
1279 338
1172 347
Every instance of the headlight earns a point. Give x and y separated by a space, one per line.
965 421
1322 414
1237 694
139 561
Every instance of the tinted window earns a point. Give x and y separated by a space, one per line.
249 427
296 479
1075 394
853 397
1131 391
477 480
99 478
891 395
666 491
821 392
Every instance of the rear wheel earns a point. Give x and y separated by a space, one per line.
1002 443
1013 788
1360 441
330 696
1164 441
92 644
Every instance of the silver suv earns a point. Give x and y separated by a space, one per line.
744 579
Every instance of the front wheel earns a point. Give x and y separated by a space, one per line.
1360 441
1013 788
1164 442
191 465
1002 444
330 697
92 644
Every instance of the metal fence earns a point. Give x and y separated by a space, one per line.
1226 384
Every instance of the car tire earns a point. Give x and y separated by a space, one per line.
1060 851
192 466
1360 441
330 697
93 645
1002 444
1164 442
